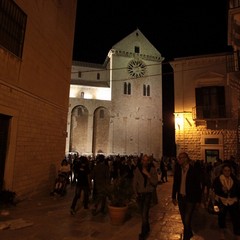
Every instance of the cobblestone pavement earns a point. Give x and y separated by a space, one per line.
48 218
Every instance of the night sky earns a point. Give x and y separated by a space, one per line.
177 28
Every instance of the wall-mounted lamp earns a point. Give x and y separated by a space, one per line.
178 121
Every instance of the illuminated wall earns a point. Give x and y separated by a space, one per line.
34 94
194 133
134 123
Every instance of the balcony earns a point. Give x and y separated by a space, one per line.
234 4
211 113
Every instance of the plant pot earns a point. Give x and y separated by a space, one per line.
117 214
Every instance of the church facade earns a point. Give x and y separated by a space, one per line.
116 107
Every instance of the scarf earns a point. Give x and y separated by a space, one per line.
144 176
226 182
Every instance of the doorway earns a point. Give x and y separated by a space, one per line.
4 128
211 155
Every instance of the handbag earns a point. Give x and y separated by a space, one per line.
213 207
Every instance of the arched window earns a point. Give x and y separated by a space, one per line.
148 90
125 88
129 88
144 90
98 76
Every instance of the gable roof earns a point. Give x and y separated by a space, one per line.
137 39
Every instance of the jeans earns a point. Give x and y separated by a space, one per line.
186 209
144 205
234 214
100 199
78 190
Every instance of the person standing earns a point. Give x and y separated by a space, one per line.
186 190
101 180
145 181
83 184
75 168
227 193
164 170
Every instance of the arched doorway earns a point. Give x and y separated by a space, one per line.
79 130
101 131
4 128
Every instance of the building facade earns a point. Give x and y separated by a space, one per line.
206 107
116 108
207 99
36 42
234 62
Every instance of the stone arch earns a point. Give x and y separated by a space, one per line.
101 124
79 129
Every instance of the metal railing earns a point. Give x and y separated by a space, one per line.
210 112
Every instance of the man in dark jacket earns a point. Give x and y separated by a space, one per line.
83 184
101 177
186 190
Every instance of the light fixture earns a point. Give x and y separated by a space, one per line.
178 121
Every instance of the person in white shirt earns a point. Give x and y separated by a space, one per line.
227 194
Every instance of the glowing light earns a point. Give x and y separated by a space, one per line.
179 121
87 92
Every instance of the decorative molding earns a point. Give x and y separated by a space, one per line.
137 55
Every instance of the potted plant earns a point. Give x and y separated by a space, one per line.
119 195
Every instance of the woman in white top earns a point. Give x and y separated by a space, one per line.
227 193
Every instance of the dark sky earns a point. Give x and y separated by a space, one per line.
177 28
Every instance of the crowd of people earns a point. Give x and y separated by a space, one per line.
192 183
195 183
91 177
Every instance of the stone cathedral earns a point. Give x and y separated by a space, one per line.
116 107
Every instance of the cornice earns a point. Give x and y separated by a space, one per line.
87 64
136 55
89 83
199 60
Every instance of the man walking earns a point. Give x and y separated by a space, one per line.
186 190
83 184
